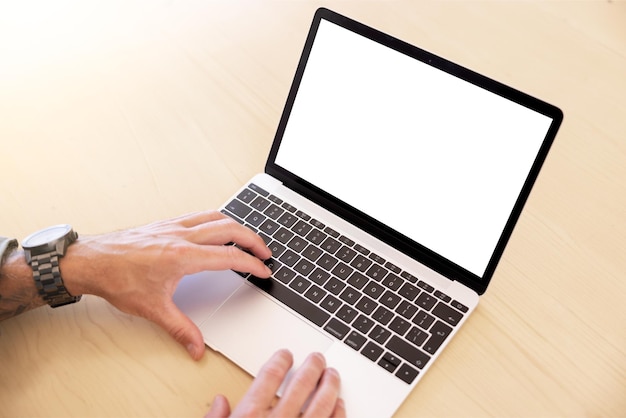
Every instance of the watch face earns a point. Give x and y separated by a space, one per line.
45 236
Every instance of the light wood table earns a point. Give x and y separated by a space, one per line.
115 114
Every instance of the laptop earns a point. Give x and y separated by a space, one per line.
391 189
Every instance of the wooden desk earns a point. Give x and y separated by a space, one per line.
115 114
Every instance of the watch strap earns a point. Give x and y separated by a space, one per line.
6 246
48 280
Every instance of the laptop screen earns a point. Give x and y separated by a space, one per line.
436 158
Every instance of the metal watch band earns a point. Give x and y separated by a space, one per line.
49 282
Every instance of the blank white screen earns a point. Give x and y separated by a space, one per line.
436 158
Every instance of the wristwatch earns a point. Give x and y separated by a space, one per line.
42 250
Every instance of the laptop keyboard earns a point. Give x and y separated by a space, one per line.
388 315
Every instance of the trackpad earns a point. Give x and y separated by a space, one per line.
250 327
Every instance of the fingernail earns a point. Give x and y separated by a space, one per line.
192 350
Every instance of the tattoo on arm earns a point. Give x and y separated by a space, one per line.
17 289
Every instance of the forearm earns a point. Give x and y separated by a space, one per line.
17 288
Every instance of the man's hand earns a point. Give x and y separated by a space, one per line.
312 381
137 270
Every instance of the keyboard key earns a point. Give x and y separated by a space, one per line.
358 280
288 207
331 232
423 320
382 315
273 211
366 305
299 284
372 351
312 252
258 189
315 294
342 271
319 276
355 340
334 285
292 300
316 236
361 249
390 299
330 303
304 267
247 195
389 362
399 325
303 215
417 336
289 258
327 262
458 305
276 248
408 277
408 291
317 224
393 267
374 289
361 263
376 272
407 373
411 354
425 286
393 282
337 329
380 334
285 275
287 219
439 333
442 296
346 241
283 235
238 209
378 259
363 324
269 227
297 244
347 314
445 312
301 228
275 199
345 254
330 245
350 295
426 301
406 309
260 203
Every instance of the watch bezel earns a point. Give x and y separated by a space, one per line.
56 242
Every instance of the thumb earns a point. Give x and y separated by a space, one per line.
182 329
219 408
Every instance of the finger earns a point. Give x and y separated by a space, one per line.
323 402
301 385
198 218
225 257
340 409
181 328
227 230
261 394
220 408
